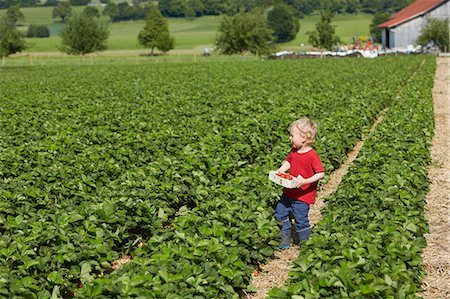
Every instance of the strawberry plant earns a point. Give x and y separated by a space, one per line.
91 165
369 242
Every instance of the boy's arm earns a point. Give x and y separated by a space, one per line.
310 180
284 167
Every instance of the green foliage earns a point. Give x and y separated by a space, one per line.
389 6
11 40
324 35
38 31
378 18
78 2
244 32
155 33
302 7
172 8
435 32
111 10
95 159
82 35
91 11
125 12
14 14
369 241
63 11
282 21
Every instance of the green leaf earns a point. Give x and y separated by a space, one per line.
366 289
411 227
266 251
30 263
55 277
162 214
56 294
85 275
388 279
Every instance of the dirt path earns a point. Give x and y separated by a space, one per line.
436 255
108 53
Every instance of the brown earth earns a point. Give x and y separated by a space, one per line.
108 53
436 255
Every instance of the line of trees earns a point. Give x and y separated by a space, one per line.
185 8
83 33
255 31
196 8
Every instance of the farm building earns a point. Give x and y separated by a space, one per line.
404 27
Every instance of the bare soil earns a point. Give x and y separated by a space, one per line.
436 255
108 53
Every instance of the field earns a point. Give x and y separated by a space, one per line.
189 34
166 164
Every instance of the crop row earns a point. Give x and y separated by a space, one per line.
96 160
369 242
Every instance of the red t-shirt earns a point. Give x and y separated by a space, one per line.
306 164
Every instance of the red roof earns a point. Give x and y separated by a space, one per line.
417 8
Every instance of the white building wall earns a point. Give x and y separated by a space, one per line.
406 34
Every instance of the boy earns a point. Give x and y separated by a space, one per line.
303 163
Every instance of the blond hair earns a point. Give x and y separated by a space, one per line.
306 127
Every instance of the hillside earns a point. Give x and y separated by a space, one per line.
189 34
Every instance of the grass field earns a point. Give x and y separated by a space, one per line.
189 34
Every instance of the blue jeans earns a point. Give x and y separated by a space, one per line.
300 210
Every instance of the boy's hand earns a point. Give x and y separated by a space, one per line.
300 181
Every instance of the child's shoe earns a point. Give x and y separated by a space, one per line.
285 239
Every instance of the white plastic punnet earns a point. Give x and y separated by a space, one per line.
282 181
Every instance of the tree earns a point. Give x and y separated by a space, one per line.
435 32
79 2
213 7
244 32
197 6
51 3
38 31
124 10
232 7
172 8
82 35
63 10
372 6
165 42
112 10
13 14
283 23
10 39
189 13
91 11
378 18
352 6
301 7
323 36
155 33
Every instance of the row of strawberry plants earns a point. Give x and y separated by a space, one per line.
369 242
208 254
76 152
